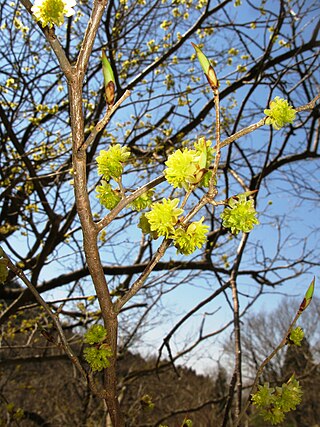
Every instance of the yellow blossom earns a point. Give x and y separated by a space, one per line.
52 12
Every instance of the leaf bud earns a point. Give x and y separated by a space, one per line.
109 81
207 67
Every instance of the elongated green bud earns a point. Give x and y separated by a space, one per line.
308 296
109 82
207 67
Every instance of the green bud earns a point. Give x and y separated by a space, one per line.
109 81
308 296
207 67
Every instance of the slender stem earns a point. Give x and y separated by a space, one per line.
90 35
64 342
254 386
186 197
137 285
236 320
104 121
19 273
309 106
218 142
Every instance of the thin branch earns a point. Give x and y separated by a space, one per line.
90 35
64 342
19 273
309 106
264 363
103 122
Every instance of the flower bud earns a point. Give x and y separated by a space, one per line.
308 296
109 82
207 67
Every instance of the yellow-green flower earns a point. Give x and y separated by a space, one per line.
187 241
142 201
274 402
280 113
296 336
52 12
98 357
190 167
240 215
108 197
181 167
110 161
164 216
95 335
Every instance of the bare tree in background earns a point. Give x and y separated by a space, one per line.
54 122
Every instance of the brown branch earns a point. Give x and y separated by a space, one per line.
104 121
239 83
19 273
245 131
54 317
236 317
90 35
137 285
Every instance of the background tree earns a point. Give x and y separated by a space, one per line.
259 52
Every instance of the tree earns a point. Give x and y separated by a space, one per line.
54 118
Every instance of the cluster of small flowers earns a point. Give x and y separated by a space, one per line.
163 220
240 214
189 168
280 113
98 354
110 162
110 165
274 402
52 12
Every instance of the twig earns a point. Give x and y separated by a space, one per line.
262 366
103 122
310 106
64 342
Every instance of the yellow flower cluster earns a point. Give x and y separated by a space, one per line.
52 12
